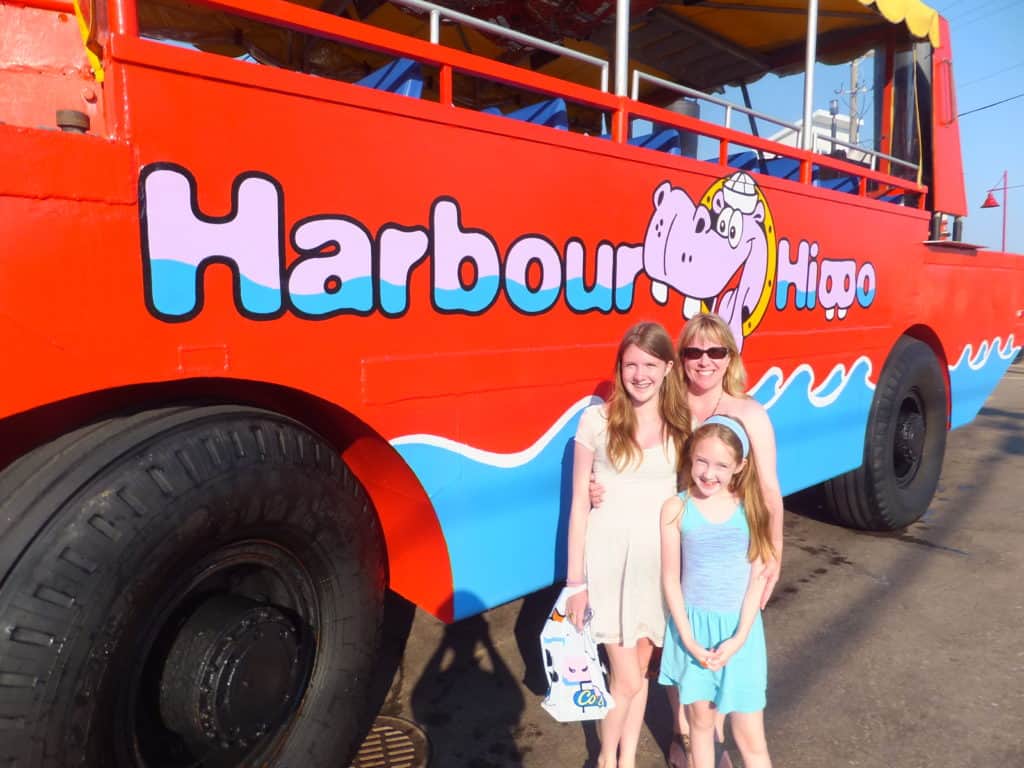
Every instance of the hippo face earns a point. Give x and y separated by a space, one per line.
741 227
576 669
691 248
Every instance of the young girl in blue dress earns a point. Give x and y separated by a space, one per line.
715 541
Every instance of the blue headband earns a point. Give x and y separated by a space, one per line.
735 426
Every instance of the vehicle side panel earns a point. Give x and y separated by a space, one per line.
318 239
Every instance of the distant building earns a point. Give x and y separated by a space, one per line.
821 128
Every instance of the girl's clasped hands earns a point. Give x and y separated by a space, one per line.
715 658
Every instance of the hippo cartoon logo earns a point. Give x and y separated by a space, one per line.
576 674
720 254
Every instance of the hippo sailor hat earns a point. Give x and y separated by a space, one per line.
740 192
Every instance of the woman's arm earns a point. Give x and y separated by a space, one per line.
579 512
671 576
762 439
748 612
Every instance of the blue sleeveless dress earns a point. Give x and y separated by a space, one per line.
715 573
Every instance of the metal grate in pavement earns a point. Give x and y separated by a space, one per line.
393 743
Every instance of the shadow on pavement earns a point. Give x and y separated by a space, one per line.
532 615
788 682
1015 441
809 503
467 699
397 624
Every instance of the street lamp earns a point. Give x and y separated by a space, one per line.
991 202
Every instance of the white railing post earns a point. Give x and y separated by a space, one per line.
621 46
806 134
439 12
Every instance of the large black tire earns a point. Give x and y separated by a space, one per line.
191 586
903 447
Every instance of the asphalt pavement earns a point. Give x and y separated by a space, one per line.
902 649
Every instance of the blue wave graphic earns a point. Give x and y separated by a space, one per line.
505 518
975 376
355 294
582 299
801 299
819 430
505 526
475 299
173 289
394 299
531 302
832 383
865 298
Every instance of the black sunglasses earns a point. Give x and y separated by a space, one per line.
696 353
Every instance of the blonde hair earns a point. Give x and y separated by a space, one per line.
714 328
746 484
623 448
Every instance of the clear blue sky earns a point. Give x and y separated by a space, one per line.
988 64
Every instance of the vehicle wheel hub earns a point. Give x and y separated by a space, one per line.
909 442
235 671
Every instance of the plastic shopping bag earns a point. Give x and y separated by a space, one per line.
576 686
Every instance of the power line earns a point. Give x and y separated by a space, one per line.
989 106
993 74
870 106
991 13
964 13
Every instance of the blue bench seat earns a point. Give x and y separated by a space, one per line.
663 140
402 76
550 112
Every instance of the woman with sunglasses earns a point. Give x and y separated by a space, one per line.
716 383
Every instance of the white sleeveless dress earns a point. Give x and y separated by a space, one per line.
623 541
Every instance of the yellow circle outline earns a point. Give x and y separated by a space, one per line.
769 230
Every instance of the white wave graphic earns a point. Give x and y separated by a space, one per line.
814 395
770 378
501 460
978 361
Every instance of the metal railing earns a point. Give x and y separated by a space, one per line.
694 93
730 107
874 154
438 12
448 60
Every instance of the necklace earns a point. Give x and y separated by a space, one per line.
714 410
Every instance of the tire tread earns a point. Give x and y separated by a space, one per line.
53 580
865 498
